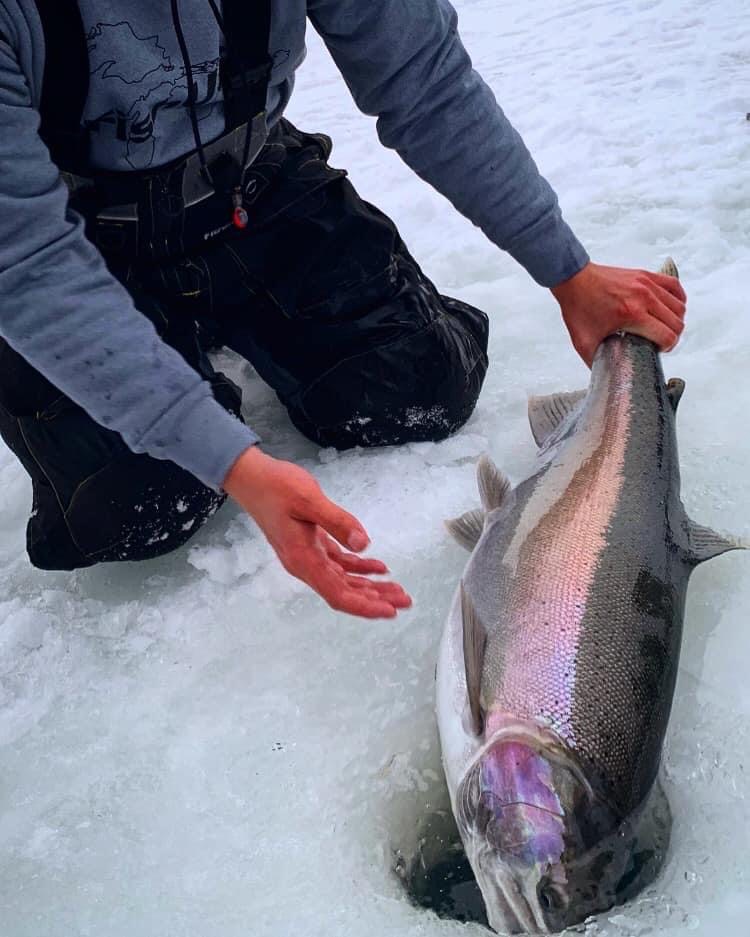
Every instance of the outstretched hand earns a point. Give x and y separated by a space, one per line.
600 300
309 534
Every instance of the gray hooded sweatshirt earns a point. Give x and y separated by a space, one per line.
59 306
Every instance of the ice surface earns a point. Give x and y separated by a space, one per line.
197 746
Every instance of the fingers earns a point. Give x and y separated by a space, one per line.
360 564
387 591
655 331
671 284
352 564
662 316
340 524
665 328
313 557
355 599
673 303
346 564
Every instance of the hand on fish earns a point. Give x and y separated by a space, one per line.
305 529
599 301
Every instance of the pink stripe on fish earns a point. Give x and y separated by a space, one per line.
563 545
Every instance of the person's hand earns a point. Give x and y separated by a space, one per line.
308 531
600 300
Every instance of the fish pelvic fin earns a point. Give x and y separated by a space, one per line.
705 543
467 529
494 485
475 642
547 413
494 491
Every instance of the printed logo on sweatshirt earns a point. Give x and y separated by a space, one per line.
133 79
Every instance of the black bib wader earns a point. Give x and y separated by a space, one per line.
253 242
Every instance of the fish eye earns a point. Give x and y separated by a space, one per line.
550 897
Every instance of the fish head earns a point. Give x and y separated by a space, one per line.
546 851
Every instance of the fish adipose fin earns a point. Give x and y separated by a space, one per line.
676 386
706 543
675 390
475 641
467 529
547 413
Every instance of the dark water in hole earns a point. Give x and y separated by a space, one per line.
439 877
449 889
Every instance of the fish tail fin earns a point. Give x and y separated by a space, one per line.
669 269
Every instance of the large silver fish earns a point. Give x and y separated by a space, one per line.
558 662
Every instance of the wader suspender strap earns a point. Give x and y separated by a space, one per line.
245 71
246 67
65 85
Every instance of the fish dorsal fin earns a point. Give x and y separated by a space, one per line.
467 529
475 642
675 390
547 413
669 269
706 543
494 485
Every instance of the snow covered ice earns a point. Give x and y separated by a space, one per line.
198 746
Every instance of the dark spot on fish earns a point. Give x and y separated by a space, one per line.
654 597
655 657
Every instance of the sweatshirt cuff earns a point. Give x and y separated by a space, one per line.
550 252
201 437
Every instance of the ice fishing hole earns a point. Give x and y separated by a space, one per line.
438 876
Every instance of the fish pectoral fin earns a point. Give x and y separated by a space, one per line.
706 543
475 642
494 485
547 413
675 390
467 529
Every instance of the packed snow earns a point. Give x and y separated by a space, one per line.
197 745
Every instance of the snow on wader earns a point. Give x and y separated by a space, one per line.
313 286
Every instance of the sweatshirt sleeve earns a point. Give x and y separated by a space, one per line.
404 63
69 318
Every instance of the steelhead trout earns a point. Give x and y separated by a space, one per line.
558 662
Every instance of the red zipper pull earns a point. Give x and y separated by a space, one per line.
240 217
